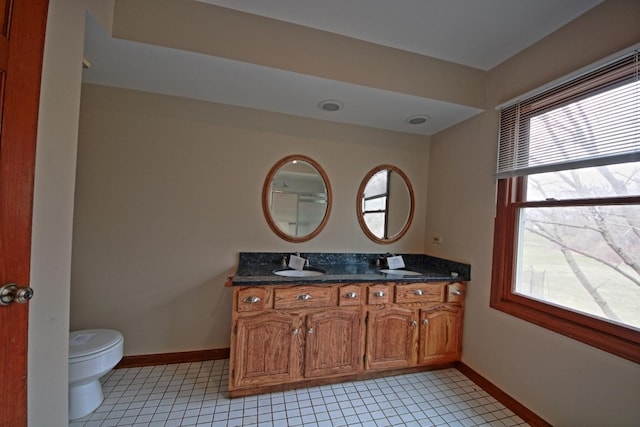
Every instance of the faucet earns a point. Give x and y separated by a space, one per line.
381 261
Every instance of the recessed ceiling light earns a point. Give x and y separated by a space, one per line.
330 105
418 120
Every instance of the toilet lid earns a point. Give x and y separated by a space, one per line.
89 341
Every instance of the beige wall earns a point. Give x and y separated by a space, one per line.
562 380
53 209
169 191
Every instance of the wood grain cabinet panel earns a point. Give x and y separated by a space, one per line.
456 292
391 337
253 299
379 294
440 334
269 349
333 345
420 292
306 297
350 295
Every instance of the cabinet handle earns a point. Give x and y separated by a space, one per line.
295 331
425 321
378 294
457 292
251 300
310 330
303 297
418 292
351 295
414 323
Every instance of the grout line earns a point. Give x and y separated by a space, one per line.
195 393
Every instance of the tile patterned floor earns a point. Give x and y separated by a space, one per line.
195 394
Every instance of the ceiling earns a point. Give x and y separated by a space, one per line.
476 33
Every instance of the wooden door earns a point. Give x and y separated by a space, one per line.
267 350
333 343
392 335
22 27
440 334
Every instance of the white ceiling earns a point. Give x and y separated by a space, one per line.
476 33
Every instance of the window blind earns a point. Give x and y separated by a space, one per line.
592 120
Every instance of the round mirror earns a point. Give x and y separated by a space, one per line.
385 204
296 198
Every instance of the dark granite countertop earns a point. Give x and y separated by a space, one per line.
257 268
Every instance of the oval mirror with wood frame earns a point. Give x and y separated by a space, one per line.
385 204
296 198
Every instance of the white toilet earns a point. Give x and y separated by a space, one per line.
92 353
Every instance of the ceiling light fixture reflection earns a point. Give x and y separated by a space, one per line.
418 120
330 105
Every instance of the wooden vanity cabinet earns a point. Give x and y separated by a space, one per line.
285 337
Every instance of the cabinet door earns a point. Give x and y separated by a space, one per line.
334 344
440 334
267 350
391 338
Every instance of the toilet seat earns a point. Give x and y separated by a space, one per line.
87 343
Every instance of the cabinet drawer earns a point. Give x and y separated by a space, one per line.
306 296
420 292
253 299
379 294
349 295
456 292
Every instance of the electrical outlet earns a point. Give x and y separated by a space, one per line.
436 239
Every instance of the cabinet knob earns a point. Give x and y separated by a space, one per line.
351 295
425 321
378 294
303 297
418 292
414 323
457 292
295 331
251 300
310 330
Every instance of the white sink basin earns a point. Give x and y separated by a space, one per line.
299 273
400 271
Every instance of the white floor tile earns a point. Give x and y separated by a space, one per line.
195 394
